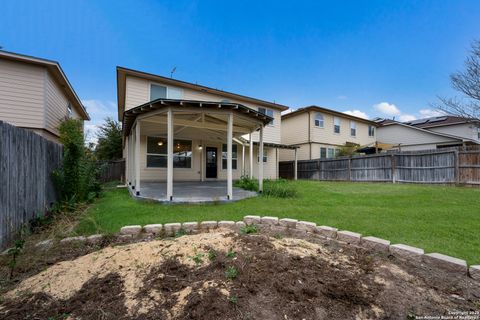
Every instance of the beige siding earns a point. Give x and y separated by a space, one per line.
56 104
22 94
464 130
326 135
406 136
295 129
138 92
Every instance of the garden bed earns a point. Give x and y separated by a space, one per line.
225 275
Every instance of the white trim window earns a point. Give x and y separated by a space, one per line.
371 131
478 133
353 128
225 155
331 152
157 92
323 153
69 110
157 153
336 124
267 112
319 120
265 157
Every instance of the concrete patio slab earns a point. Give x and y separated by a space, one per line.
191 192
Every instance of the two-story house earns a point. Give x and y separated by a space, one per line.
36 94
321 133
180 131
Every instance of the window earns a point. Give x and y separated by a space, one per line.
268 112
319 120
371 131
323 153
157 92
265 158
478 133
353 128
234 156
69 111
157 153
336 125
331 153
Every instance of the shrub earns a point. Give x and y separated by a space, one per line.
279 189
247 183
252 228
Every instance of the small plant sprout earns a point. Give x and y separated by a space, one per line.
233 299
212 255
14 253
180 233
252 228
231 273
198 258
231 254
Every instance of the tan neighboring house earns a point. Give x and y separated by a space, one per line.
452 125
180 131
321 133
413 137
36 94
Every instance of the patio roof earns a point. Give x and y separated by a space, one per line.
130 115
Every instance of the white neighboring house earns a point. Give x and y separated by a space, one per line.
457 126
35 94
407 137
180 131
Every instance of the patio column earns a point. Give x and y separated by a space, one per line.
169 154
243 159
260 161
137 158
250 151
129 160
229 157
295 167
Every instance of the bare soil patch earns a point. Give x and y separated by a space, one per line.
222 275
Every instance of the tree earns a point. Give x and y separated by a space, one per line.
467 82
109 145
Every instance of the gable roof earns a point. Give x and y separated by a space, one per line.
329 111
56 70
440 121
435 133
123 72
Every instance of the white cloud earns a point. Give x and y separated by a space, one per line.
98 111
407 117
388 109
357 113
428 113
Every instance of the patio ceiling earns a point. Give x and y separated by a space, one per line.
192 117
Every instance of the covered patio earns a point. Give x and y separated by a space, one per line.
191 151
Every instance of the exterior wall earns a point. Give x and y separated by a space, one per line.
22 94
326 135
303 153
198 165
295 129
56 104
409 137
138 92
464 130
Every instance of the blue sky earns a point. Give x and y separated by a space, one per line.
379 58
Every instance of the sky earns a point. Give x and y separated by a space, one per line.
368 58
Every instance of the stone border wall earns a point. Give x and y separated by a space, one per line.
295 228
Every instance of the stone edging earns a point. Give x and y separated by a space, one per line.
297 229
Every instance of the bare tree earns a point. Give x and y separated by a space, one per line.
467 82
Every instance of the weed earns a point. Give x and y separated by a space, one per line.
231 273
279 189
13 253
180 233
231 254
252 228
198 258
212 255
233 299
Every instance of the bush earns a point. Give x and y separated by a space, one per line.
279 189
247 183
76 181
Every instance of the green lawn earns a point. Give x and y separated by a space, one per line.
437 218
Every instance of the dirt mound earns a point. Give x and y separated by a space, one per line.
222 275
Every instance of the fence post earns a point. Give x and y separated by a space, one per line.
350 168
394 168
457 167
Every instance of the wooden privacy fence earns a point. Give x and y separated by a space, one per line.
452 166
112 170
26 188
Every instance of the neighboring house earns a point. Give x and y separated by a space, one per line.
36 94
321 133
405 137
179 131
452 125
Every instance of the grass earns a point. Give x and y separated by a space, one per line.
443 219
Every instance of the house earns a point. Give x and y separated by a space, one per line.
320 132
457 126
408 137
178 131
36 94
